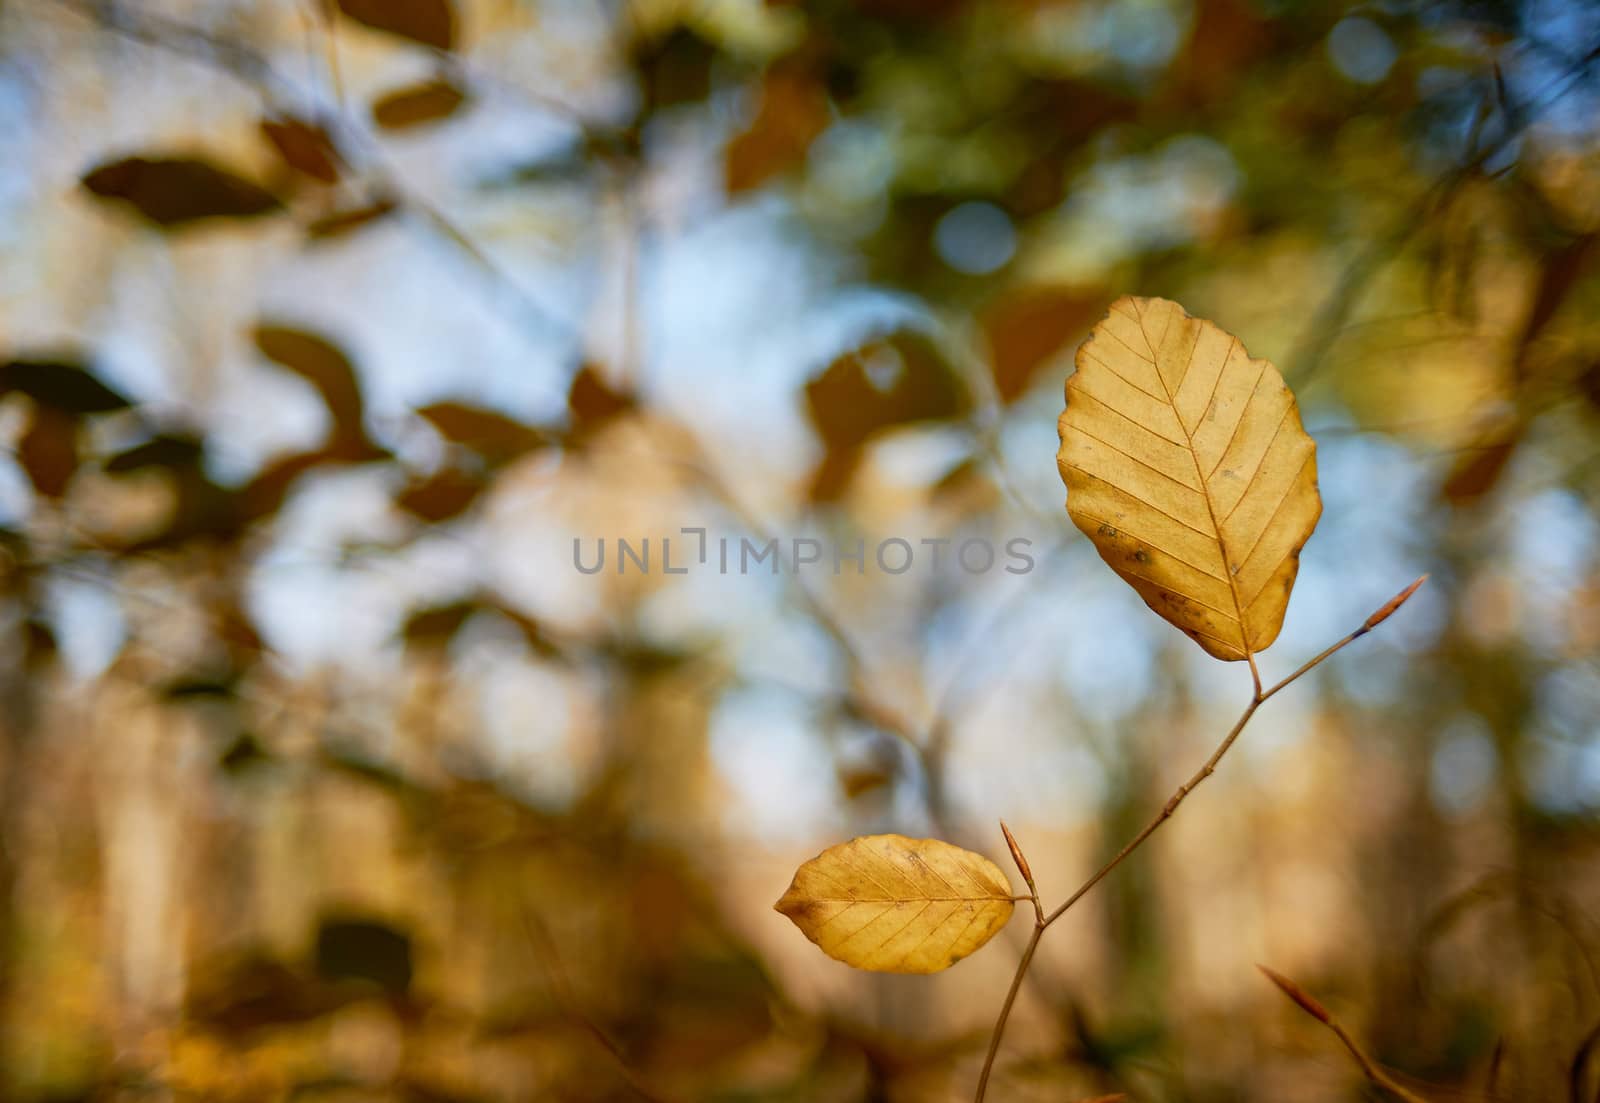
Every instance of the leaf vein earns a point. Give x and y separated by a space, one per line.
1170 555
1089 353
1260 466
1187 597
1142 463
1268 527
897 932
1234 431
1081 393
1142 503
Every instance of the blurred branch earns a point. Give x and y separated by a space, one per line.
247 64
1580 1065
566 996
233 57
1312 349
1492 886
814 607
1369 1068
941 722
988 423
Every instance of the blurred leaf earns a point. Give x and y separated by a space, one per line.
325 366
412 1090
1562 270
915 11
1478 471
898 905
175 191
857 779
533 633
888 382
429 22
675 68
48 451
346 221
1027 328
442 496
38 644
201 508
418 104
1228 36
194 686
593 402
244 754
494 436
437 625
251 990
304 147
353 948
1589 384
793 111
162 451
1187 466
60 384
265 494
643 660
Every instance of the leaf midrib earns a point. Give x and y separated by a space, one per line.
996 898
1194 458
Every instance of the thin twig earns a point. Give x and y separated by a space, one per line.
1258 698
251 67
1312 349
566 996
811 604
1369 1068
323 25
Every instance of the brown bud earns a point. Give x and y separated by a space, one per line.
1016 854
1294 991
1393 603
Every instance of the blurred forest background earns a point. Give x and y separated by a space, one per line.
327 327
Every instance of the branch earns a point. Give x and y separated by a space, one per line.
1257 699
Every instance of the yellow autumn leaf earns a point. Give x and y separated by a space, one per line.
898 905
1187 466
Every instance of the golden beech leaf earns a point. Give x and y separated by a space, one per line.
898 905
1187 466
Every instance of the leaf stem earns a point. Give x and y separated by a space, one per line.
1258 697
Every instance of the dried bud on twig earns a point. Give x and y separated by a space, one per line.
1294 991
1392 604
1016 854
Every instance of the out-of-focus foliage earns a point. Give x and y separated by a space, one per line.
340 340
